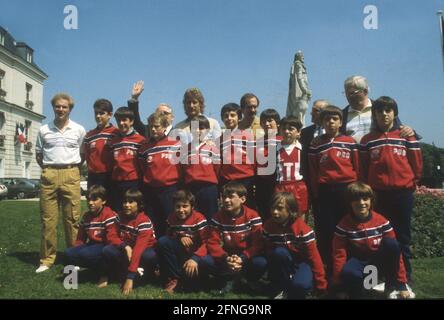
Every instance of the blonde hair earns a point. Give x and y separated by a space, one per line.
64 96
194 93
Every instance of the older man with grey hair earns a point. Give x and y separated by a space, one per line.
357 116
162 108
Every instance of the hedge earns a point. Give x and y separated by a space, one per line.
428 226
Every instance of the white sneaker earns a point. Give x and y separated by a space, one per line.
380 287
395 293
412 294
42 268
281 295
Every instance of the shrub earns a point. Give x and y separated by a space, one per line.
428 226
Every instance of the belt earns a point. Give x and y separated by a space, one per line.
60 166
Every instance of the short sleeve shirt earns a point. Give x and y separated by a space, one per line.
59 147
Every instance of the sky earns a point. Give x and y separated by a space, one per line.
230 47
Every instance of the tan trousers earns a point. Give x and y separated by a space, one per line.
60 188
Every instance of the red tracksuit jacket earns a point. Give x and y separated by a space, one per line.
361 239
240 235
137 232
333 160
238 155
389 161
99 227
157 159
195 227
299 239
98 155
124 150
201 163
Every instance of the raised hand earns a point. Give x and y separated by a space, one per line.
137 89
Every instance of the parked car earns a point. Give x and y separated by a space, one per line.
20 188
3 191
36 182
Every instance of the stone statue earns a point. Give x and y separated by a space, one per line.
298 94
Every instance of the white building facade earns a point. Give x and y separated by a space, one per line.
21 104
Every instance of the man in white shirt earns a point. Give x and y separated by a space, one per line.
357 116
194 105
58 152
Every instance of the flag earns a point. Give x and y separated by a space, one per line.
441 26
20 133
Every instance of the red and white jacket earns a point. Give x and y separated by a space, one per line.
240 235
238 155
124 150
333 160
137 232
200 163
98 155
159 161
195 227
389 161
361 239
300 240
101 227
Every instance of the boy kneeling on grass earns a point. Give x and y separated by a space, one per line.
185 243
98 227
364 237
293 258
136 243
235 241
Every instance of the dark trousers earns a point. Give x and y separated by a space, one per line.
386 260
296 279
118 189
116 260
248 183
397 207
101 179
332 207
254 268
85 255
172 256
264 192
206 195
159 205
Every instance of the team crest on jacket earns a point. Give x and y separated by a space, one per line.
324 158
149 159
375 153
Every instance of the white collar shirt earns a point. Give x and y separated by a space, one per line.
60 147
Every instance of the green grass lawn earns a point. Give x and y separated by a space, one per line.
19 256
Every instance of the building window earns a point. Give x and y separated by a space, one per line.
2 168
28 91
2 91
27 170
2 38
29 56
2 124
28 124
28 103
2 120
